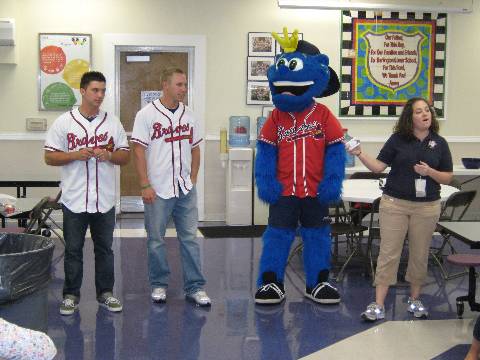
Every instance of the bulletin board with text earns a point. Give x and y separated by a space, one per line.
63 59
388 58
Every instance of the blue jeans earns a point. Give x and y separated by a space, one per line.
74 229
185 216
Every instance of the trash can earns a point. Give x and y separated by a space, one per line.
25 262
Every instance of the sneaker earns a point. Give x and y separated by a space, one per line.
272 292
200 298
109 302
68 305
374 312
159 295
417 308
323 293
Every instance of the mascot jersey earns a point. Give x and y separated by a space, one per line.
301 139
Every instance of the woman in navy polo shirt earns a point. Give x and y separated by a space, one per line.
420 161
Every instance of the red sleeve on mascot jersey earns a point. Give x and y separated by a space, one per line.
269 132
333 128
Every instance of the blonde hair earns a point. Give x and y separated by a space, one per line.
167 74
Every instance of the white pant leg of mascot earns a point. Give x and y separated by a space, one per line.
299 169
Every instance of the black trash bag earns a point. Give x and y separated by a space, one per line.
25 262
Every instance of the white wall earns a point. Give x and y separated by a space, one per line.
225 23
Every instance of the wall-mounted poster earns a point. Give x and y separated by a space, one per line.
147 96
390 57
63 59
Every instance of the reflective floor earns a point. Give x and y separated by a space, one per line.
235 328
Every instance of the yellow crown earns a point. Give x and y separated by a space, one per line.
287 43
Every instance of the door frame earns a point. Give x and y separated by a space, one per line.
197 76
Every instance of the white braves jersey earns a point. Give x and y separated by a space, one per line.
87 186
168 139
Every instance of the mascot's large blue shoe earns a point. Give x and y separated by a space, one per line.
299 169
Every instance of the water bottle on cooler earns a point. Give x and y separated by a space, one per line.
350 161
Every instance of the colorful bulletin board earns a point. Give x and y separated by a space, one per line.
63 59
389 57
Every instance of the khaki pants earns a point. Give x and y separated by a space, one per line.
397 219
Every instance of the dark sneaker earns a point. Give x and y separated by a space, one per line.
270 293
323 293
109 302
200 298
68 305
417 308
374 312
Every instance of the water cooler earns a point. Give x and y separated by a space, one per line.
239 172
239 186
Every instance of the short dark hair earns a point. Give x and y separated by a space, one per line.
404 125
90 76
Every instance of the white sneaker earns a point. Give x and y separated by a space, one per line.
417 308
374 312
200 298
159 295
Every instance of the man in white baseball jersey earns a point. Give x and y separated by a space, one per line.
167 158
87 143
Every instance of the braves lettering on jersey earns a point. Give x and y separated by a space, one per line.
301 139
168 139
87 186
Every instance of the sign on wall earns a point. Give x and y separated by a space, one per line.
63 59
390 57
148 96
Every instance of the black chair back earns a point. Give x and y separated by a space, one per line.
457 204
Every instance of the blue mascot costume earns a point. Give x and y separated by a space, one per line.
299 169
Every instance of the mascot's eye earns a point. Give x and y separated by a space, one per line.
295 64
280 62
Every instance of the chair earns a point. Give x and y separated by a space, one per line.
454 209
471 261
360 210
343 225
373 233
38 217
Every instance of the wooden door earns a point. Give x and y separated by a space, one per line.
134 78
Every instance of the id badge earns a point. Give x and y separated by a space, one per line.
420 185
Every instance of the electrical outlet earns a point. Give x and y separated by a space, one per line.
36 124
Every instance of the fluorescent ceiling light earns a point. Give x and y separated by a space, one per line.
138 58
421 5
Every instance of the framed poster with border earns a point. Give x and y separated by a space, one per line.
261 44
63 59
258 93
257 67
389 57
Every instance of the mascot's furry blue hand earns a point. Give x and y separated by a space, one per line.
330 188
269 188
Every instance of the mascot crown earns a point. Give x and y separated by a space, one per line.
288 44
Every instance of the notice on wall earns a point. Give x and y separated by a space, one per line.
393 58
147 96
64 58
389 59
